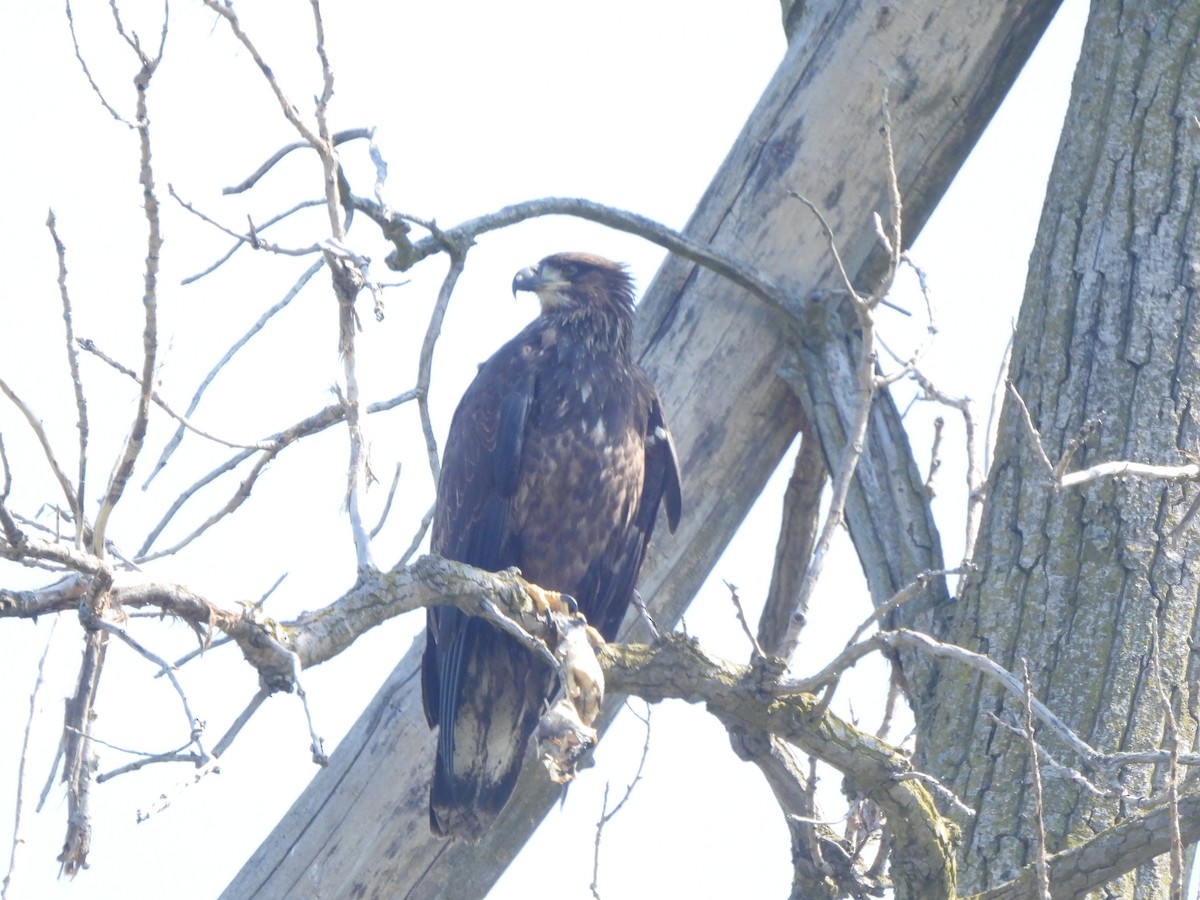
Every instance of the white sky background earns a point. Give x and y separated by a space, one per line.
477 105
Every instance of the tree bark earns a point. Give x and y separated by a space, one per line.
1084 584
716 354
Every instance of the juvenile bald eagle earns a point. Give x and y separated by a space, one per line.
557 461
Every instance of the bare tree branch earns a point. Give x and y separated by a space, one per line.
229 354
276 444
88 74
18 805
1039 824
458 259
339 137
73 366
184 423
407 253
225 11
137 433
606 815
43 439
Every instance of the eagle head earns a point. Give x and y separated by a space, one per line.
567 282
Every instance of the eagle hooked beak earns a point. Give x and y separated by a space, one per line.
546 282
527 279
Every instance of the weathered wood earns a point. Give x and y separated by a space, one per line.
716 354
1084 583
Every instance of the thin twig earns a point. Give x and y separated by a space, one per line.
171 756
902 596
195 726
856 432
88 74
1115 469
193 654
184 423
938 788
240 496
1041 864
36 424
225 10
251 708
605 814
1059 769
458 259
229 354
317 744
1171 738
240 241
741 616
6 482
976 465
902 637
387 505
18 840
935 457
867 383
1123 469
643 611
347 277
1035 438
251 238
277 443
998 392
889 705
326 148
809 834
73 365
340 137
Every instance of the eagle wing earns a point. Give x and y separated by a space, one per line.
469 669
608 586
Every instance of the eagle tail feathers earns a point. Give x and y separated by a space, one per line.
492 695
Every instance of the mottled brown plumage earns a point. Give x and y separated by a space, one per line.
557 461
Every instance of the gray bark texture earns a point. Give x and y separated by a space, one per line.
718 355
1084 584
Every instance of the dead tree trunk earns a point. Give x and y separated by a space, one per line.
1086 584
716 353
